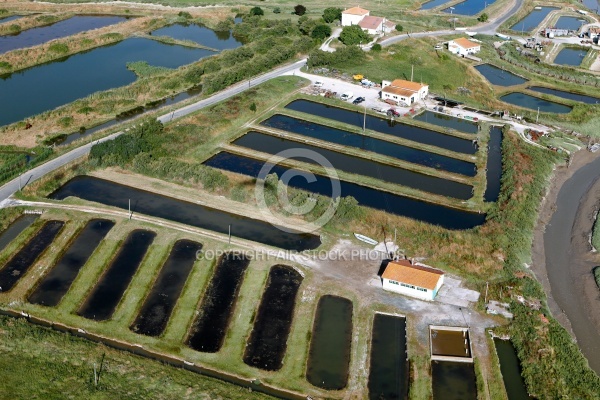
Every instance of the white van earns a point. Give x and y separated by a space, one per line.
319 84
347 96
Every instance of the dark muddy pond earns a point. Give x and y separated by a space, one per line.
493 173
388 372
572 23
273 145
8 19
18 265
447 121
34 36
469 7
330 344
433 4
106 295
379 146
15 229
532 20
394 128
511 370
428 212
210 327
570 56
201 35
156 310
566 95
498 76
57 282
268 340
117 195
61 82
533 103
453 380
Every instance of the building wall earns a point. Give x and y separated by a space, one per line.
351 19
375 31
398 99
456 49
397 287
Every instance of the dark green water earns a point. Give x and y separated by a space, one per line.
453 381
447 121
511 370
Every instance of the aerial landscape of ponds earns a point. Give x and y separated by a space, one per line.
453 380
106 294
494 165
566 95
394 128
345 138
210 327
156 310
268 341
273 145
117 195
570 56
67 27
330 343
200 34
18 265
389 369
533 103
510 368
469 7
447 121
446 217
533 19
498 76
15 229
57 282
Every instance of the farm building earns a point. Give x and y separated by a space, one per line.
353 16
412 279
400 91
372 25
463 47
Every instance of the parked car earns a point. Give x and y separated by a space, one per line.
319 84
358 100
393 113
347 96
379 110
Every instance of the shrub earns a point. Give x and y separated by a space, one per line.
14 28
596 233
353 34
399 28
256 11
321 32
597 276
253 107
5 65
323 58
300 10
376 47
331 14
483 17
59 48
185 14
65 122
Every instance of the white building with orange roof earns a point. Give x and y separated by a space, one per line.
372 25
401 92
463 47
353 16
412 279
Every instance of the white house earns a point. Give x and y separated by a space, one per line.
372 25
353 16
412 279
401 91
463 47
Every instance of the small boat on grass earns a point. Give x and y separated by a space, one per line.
365 239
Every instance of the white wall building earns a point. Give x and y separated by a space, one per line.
403 92
415 280
463 47
372 25
353 16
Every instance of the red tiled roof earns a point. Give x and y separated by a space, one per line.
416 275
370 22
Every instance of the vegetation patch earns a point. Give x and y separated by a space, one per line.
596 233
596 272
142 69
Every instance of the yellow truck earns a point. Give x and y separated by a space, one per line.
358 77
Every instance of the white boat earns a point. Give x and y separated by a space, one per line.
470 33
365 239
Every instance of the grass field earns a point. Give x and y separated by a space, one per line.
596 234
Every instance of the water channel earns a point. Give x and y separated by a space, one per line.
494 165
8 19
15 229
533 103
566 95
447 121
533 19
570 56
469 7
510 367
499 77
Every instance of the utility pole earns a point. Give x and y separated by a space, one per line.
129 208
538 116
487 284
365 120
229 233
412 70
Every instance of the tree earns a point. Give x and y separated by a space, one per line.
353 34
321 32
256 11
376 47
300 10
331 14
483 17
399 28
306 25
253 107
277 10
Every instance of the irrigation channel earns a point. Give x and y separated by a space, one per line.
510 368
390 127
453 380
498 76
469 7
15 229
268 341
158 306
102 302
449 218
533 19
209 329
447 121
494 165
361 166
57 282
566 95
330 344
533 103
8 19
570 56
19 264
389 368
34 36
156 205
363 142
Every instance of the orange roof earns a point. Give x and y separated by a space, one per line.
403 88
466 43
370 22
412 274
356 11
399 91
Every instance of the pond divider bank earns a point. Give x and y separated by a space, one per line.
453 380
156 205
498 76
267 344
58 280
208 330
363 142
106 295
389 127
15 229
330 344
449 218
361 166
510 368
18 265
389 367
494 165
158 306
